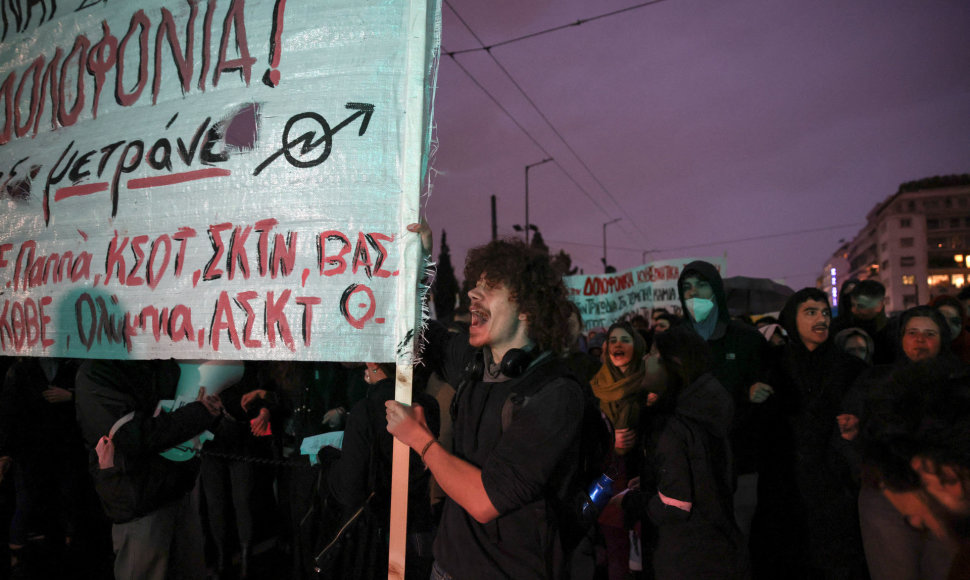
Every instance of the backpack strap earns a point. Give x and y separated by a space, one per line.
471 374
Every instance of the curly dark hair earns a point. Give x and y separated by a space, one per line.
533 284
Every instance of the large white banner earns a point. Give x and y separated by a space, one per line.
212 178
604 299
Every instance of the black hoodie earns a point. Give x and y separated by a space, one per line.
141 480
739 362
806 486
691 462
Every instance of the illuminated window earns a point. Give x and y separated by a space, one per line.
909 279
938 279
959 280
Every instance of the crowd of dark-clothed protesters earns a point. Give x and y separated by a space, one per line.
797 445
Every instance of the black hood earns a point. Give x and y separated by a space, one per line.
789 314
708 272
708 403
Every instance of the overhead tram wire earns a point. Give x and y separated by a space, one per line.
539 110
553 29
526 132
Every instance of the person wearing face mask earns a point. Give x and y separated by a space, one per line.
622 393
739 353
894 550
807 525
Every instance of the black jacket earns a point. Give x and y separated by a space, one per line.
30 427
348 477
740 354
141 480
523 468
688 461
806 490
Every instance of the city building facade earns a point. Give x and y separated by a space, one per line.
916 242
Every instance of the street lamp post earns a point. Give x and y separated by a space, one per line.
527 167
613 221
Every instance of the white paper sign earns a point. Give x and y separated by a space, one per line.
211 178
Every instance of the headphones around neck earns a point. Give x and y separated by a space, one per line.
516 361
514 364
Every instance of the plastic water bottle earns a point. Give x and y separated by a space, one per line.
600 492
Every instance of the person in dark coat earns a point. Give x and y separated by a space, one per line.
807 521
739 352
918 450
40 439
349 478
867 303
149 498
510 465
893 549
685 488
297 400
952 310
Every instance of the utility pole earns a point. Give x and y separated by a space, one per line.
527 167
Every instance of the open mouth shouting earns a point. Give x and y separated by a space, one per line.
620 348
620 356
479 317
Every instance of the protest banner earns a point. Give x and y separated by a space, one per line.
219 179
603 299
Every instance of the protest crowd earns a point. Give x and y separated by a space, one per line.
689 445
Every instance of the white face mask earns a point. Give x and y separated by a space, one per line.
700 308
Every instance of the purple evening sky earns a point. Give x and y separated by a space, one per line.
703 123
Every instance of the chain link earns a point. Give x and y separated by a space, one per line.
289 462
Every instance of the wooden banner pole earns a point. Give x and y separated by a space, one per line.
423 23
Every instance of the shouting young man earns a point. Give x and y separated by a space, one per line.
517 419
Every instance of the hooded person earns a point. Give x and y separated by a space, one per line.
807 524
739 353
685 488
866 306
856 342
956 319
893 548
